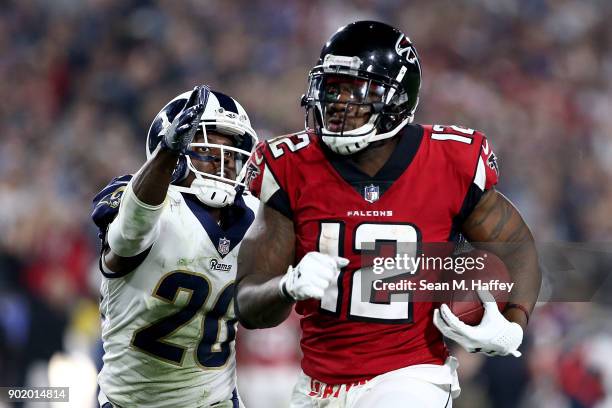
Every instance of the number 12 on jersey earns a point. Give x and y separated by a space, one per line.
367 240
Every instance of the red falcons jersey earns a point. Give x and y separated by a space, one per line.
430 184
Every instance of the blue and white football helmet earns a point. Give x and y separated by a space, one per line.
224 115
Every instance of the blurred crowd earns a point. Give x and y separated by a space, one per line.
80 81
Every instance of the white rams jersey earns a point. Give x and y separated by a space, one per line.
168 327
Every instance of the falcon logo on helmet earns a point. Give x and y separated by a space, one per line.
224 115
404 45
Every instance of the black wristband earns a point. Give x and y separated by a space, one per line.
284 294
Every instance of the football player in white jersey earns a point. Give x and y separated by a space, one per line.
171 235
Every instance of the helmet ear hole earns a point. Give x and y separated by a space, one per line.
387 123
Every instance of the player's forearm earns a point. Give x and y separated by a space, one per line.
262 262
521 261
496 226
515 246
261 305
152 180
266 252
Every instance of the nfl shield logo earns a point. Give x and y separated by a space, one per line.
224 246
370 193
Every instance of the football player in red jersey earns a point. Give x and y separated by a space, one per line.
363 176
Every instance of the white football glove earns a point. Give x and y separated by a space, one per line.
494 336
312 275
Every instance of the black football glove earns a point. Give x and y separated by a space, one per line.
179 135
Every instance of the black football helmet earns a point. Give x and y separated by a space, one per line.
367 70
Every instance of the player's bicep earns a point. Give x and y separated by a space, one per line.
495 220
268 248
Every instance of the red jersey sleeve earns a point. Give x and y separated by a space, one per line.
484 177
472 163
272 171
487 172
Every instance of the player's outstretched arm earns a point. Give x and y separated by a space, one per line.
496 225
135 228
265 254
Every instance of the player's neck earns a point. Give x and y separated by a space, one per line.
221 216
215 213
373 158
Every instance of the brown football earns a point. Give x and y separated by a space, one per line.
464 302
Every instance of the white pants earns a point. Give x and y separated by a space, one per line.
419 386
